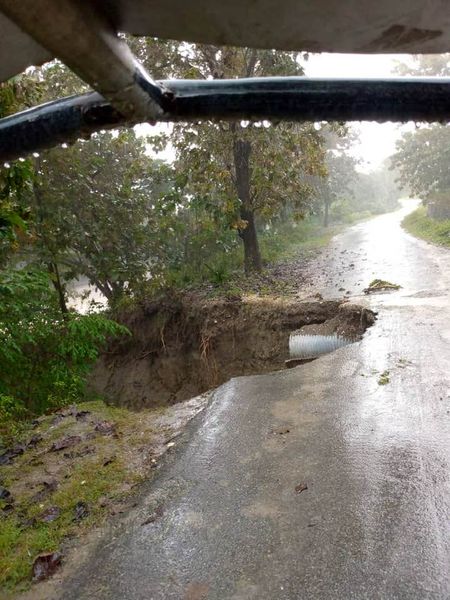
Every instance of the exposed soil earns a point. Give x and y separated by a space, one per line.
183 347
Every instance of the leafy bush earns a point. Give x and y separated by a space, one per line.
45 356
12 411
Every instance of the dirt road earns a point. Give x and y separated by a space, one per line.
328 481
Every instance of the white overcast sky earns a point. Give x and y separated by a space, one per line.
376 141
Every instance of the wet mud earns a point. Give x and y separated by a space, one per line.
182 348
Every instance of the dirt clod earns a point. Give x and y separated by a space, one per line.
159 511
81 415
34 441
11 453
301 487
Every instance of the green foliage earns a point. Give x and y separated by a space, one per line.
419 224
11 409
45 355
241 171
15 181
12 415
102 209
384 378
422 158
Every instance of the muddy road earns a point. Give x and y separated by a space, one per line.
330 480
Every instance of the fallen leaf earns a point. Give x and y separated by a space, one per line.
45 565
4 493
47 488
66 442
301 487
49 515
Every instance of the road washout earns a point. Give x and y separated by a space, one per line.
184 347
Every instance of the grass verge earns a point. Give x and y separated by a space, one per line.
420 225
85 459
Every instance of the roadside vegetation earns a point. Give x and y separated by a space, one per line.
421 161
71 470
432 230
236 203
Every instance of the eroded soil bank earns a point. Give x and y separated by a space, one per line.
181 348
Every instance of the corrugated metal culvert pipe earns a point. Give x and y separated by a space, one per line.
302 346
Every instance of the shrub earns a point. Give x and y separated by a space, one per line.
45 356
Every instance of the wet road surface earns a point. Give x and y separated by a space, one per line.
226 518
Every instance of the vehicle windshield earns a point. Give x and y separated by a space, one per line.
224 307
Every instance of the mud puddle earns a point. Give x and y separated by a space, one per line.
182 348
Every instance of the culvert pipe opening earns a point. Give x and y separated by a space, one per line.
306 346
182 347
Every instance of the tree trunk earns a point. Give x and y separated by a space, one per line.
252 256
111 290
59 287
52 266
326 213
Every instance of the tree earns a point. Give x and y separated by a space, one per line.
247 171
340 169
15 182
422 158
17 177
98 212
424 65
44 359
375 192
